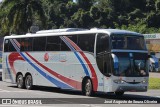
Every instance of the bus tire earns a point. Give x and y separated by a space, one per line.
120 93
88 87
28 82
20 81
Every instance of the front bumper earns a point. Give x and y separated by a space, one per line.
132 88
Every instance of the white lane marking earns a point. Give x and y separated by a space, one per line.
1 90
19 92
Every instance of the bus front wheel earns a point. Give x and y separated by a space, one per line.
20 81
28 82
87 87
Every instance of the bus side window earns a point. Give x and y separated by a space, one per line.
64 47
53 43
39 43
6 45
11 47
26 44
102 43
86 42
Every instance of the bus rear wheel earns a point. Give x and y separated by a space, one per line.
20 81
87 88
119 93
28 82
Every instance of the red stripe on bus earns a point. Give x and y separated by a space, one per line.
94 76
72 43
12 58
69 81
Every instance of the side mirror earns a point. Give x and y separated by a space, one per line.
149 56
115 61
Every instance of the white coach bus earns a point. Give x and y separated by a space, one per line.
95 60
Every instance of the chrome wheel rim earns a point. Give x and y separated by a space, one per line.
88 87
20 81
28 81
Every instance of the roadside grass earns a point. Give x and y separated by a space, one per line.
154 83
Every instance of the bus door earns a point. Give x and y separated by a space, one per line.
103 58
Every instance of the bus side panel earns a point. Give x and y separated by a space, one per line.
63 67
7 74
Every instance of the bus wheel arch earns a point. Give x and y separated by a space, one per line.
28 81
20 80
87 86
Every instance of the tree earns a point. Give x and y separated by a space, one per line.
23 13
85 4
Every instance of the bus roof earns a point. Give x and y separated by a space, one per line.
69 31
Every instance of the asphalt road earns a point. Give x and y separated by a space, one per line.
66 98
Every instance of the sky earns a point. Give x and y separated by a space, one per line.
0 0
73 0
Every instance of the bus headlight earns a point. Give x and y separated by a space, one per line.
119 81
144 82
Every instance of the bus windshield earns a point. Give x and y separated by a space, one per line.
128 42
129 67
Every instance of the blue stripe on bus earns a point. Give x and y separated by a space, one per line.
82 63
54 81
51 79
9 72
72 49
14 45
76 54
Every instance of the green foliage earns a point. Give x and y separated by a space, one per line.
21 15
17 16
154 83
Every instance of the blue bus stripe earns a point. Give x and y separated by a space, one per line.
51 79
10 75
54 81
68 44
17 49
78 57
83 65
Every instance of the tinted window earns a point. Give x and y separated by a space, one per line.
86 42
53 43
6 45
11 47
64 47
102 43
39 43
74 38
26 44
